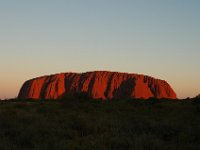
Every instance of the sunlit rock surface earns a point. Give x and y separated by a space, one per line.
97 85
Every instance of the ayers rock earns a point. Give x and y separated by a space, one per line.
97 85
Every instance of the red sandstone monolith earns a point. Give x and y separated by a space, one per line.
97 85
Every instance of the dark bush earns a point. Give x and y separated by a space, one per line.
82 123
82 95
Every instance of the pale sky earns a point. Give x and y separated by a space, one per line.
160 38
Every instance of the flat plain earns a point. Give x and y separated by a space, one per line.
83 123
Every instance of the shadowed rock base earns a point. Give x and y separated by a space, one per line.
97 85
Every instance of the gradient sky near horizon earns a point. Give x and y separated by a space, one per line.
160 38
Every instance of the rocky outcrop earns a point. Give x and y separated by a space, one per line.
97 85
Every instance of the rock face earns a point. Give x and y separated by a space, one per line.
97 85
